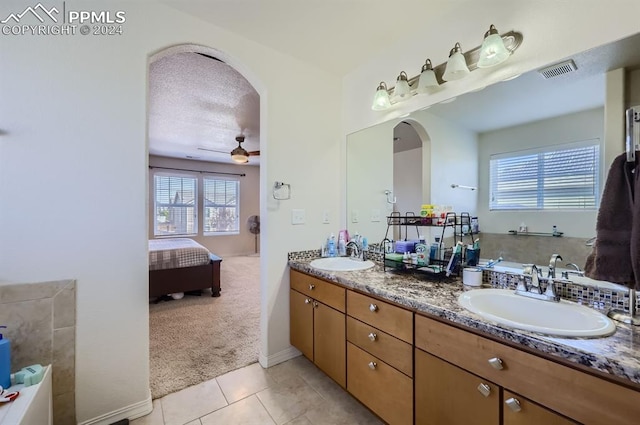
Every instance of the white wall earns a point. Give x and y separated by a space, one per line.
576 127
242 243
74 112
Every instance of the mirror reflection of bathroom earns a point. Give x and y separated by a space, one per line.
411 169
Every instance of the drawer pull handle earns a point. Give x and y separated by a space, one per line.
312 287
484 389
315 304
373 336
513 404
496 363
373 308
372 365
307 301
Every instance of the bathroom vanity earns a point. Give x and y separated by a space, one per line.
411 354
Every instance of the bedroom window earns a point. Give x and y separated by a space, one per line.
221 198
175 205
562 177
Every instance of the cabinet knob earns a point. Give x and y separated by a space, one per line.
312 287
496 363
484 389
372 365
373 308
315 304
307 301
513 404
373 336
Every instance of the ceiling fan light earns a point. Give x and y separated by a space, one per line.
493 51
456 65
381 99
240 155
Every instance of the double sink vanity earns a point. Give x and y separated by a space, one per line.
408 349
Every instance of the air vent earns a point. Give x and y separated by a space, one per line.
558 69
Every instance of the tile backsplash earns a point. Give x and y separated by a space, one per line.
41 325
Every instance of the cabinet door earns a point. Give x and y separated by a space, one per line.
446 394
301 323
526 412
329 350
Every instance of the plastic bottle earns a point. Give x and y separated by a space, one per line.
342 246
434 252
5 361
331 246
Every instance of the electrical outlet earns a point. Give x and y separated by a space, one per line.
375 215
325 216
355 216
297 216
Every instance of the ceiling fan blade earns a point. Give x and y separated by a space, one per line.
254 153
212 150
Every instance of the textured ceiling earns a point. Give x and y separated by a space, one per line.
199 102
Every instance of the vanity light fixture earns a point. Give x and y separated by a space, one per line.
381 100
456 65
493 51
427 80
402 91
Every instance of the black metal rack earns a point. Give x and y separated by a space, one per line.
457 222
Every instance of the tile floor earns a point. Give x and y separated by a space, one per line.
292 393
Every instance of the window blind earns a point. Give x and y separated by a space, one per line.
552 178
221 213
175 205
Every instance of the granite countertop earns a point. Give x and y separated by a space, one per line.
617 355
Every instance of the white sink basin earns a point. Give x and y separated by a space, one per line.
341 264
559 319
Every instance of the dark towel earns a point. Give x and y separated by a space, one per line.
616 251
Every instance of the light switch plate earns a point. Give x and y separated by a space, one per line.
355 216
325 217
375 215
297 216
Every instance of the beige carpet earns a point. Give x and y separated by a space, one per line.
196 339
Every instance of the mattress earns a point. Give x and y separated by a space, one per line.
176 253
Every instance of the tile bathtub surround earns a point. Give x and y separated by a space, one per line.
616 355
41 321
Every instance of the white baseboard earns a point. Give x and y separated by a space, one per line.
282 356
131 412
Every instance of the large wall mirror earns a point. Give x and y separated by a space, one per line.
401 164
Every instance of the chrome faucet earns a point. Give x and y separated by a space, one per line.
576 271
552 265
533 290
356 250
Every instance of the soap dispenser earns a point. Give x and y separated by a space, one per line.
5 361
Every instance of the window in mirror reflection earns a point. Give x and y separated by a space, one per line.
552 178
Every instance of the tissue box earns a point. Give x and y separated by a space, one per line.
405 246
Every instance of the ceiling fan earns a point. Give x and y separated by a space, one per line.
239 154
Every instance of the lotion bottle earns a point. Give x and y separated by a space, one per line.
5 361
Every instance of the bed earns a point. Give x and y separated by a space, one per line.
182 265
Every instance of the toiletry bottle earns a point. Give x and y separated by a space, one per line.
555 230
342 245
5 361
331 246
434 252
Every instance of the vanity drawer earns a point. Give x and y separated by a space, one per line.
320 290
578 395
393 320
380 387
391 350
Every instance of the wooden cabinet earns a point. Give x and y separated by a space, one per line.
380 357
568 391
380 387
316 329
446 394
520 411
